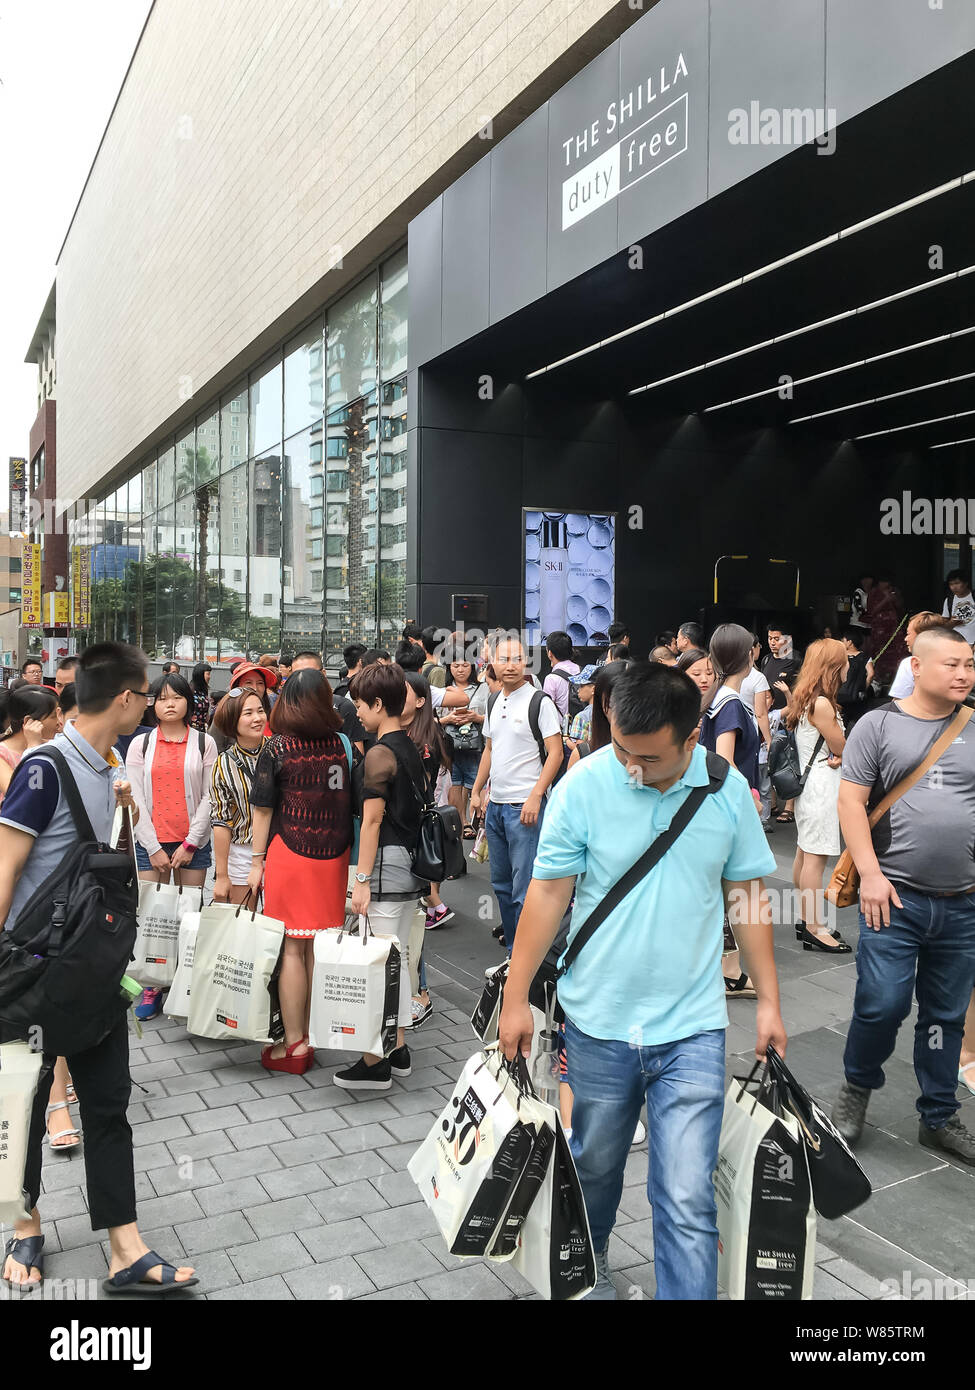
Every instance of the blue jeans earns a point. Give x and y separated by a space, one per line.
683 1084
511 854
930 946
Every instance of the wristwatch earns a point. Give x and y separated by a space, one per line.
362 878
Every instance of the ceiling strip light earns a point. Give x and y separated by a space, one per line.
952 442
760 271
916 425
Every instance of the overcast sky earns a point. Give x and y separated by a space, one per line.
61 67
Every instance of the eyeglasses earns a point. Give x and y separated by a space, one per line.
149 699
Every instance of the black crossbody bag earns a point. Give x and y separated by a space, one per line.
717 772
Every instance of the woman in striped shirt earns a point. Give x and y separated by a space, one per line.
240 718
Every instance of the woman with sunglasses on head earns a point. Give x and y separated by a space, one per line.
170 770
301 801
239 720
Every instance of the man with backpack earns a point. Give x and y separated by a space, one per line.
41 829
659 837
523 754
558 649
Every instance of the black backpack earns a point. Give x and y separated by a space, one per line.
62 961
575 704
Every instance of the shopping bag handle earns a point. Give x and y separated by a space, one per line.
257 902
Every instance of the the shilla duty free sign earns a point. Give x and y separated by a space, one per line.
646 147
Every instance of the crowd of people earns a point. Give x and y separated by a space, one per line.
308 796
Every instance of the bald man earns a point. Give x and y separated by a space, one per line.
917 891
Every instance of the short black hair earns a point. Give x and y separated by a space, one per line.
66 662
31 661
314 656
951 575
665 638
412 632
104 671
285 659
857 636
617 631
373 655
352 653
180 686
68 699
409 656
649 697
693 632
560 645
429 639
385 683
171 666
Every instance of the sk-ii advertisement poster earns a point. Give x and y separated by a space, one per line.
570 575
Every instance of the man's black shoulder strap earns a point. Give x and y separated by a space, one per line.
534 723
70 789
717 772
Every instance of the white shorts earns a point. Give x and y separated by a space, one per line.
239 864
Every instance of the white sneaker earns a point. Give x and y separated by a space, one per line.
493 969
639 1134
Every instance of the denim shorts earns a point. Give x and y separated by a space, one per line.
463 772
202 859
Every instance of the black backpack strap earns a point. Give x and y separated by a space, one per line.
69 788
717 772
562 675
534 706
203 742
812 758
145 742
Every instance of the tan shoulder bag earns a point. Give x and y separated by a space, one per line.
844 886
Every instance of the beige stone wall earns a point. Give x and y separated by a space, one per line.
248 141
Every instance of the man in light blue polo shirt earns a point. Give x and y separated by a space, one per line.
645 999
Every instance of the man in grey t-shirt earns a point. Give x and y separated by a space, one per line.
917 892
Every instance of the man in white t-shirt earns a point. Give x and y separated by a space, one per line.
960 608
520 778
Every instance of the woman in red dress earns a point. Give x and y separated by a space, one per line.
302 805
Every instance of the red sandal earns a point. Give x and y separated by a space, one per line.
297 1066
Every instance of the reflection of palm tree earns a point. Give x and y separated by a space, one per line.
199 476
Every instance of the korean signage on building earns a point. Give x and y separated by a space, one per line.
57 610
30 603
18 494
81 585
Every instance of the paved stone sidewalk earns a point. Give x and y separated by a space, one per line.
280 1187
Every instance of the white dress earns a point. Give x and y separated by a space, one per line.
817 817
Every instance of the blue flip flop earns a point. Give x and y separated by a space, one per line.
29 1253
131 1281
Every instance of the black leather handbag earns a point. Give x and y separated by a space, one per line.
839 1184
439 853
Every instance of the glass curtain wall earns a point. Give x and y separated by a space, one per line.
278 519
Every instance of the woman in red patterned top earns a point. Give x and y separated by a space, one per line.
302 805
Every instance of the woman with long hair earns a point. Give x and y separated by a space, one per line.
301 801
465 731
814 715
33 713
239 719
420 723
201 715
697 665
729 728
602 690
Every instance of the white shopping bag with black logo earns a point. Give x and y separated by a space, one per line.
355 988
178 998
766 1217
162 907
233 985
468 1167
20 1071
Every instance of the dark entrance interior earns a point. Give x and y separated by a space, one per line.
806 342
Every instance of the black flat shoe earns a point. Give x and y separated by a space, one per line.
801 927
813 943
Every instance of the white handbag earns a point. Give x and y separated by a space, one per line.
355 991
766 1217
178 998
162 907
233 985
20 1070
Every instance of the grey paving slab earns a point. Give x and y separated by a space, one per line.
158 1131
146 1157
184 1177
195 1146
826 1286
896 1269
162 1107
362 1137
398 1189
295 1214
169 1210
410 1222
69 1201
196 1081
269 1108
229 1095
274 1255
280 1084
415 1102
236 1195
403 1293
922 1216
398 1264
635 1284
335 1281
265 1132
204 1061
314 1148
315 1122
223 1117
321 1098
163 1050
338 1238
75 1231
244 1163
474 1282
216 1271
364 1112
261 1290
410 1128
306 1178
350 1199
856 1278
215 1233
